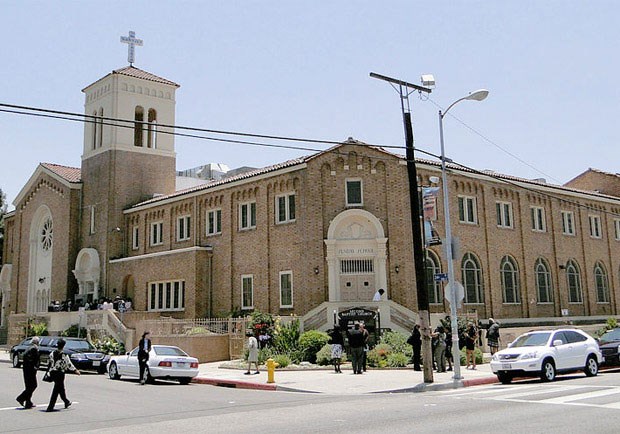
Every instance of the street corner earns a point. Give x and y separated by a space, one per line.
235 384
479 381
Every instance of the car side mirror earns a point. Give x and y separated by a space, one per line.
558 342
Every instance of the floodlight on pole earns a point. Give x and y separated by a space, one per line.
478 95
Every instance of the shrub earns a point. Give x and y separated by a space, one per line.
611 323
377 357
324 356
37 329
397 360
109 345
198 331
477 356
296 355
261 321
311 343
283 360
286 337
397 342
73 331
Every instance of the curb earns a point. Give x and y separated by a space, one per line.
235 384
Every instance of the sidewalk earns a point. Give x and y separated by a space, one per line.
325 380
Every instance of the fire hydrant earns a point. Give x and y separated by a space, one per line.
271 367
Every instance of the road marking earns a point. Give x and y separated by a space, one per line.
581 396
37 406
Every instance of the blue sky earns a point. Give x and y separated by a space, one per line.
300 69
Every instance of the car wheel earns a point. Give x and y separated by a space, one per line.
548 370
184 381
591 368
504 378
113 372
16 363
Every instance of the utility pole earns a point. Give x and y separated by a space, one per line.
405 89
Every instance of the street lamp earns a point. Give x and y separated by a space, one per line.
478 95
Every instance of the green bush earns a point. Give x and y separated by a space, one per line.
286 337
477 356
261 321
198 331
37 329
378 356
324 356
397 342
397 360
72 332
296 355
283 360
612 323
109 345
311 343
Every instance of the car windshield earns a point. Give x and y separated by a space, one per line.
531 340
610 336
79 346
169 351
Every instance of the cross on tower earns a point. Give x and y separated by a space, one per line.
132 42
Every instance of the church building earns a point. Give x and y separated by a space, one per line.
308 236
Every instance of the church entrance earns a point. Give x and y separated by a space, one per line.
356 256
357 279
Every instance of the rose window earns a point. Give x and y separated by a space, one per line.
46 234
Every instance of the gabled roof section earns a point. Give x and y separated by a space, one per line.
69 176
132 71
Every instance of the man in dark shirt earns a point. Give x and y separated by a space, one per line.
356 343
30 365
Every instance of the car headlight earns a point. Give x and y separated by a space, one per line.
531 355
78 356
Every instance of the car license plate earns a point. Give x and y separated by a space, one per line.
96 363
506 366
181 364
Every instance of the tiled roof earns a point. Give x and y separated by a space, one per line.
70 174
301 160
132 71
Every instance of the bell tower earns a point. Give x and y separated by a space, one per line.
128 152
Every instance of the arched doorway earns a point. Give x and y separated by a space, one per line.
356 256
40 265
87 273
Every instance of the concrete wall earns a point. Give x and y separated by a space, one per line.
209 348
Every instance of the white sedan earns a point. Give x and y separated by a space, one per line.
165 362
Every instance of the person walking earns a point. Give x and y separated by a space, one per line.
493 336
378 295
366 339
471 336
252 353
144 348
356 344
415 340
30 364
440 348
59 364
337 343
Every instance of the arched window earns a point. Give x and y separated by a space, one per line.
510 280
100 131
471 273
602 285
573 280
152 129
544 287
95 125
138 125
435 294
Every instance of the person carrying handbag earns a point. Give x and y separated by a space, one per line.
59 363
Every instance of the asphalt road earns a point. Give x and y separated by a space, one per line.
573 404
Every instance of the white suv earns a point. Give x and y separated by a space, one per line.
546 353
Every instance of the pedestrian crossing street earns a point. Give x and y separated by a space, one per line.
558 394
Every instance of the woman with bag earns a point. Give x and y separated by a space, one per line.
59 363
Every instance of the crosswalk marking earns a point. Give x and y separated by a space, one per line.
573 395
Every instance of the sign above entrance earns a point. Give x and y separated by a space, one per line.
354 251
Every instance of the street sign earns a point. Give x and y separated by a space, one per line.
441 277
460 292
